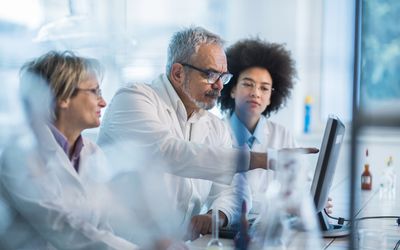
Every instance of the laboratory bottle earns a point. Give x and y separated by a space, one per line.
307 114
366 177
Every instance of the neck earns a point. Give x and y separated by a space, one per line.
249 121
69 133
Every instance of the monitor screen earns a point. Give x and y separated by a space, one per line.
325 169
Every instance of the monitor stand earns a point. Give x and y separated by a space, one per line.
331 230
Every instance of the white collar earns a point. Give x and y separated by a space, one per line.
169 95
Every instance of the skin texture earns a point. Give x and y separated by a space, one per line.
252 95
80 111
191 85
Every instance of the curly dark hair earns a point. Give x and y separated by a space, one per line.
248 53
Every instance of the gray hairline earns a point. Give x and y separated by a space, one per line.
185 43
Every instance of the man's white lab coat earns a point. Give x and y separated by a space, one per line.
194 152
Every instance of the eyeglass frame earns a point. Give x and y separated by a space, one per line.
209 72
96 91
253 85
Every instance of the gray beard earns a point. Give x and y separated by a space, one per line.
200 104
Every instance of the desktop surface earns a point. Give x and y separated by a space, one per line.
371 204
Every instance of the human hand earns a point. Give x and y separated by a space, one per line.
329 206
199 224
299 150
202 224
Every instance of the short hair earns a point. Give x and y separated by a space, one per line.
186 42
248 53
62 72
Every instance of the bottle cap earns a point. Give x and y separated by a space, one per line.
309 99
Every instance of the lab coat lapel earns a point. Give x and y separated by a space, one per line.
168 94
54 153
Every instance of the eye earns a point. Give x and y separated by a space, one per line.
212 75
247 84
265 89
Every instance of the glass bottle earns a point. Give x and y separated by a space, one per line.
307 114
388 181
366 177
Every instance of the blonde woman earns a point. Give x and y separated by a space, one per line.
46 179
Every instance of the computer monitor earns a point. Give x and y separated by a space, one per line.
324 173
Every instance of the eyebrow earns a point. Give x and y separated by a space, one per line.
251 80
216 71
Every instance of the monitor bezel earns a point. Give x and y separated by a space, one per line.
326 167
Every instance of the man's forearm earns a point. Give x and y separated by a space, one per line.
258 160
222 218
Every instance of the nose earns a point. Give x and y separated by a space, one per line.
102 102
255 92
218 84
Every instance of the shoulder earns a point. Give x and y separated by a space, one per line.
130 98
89 147
281 133
152 89
134 88
276 127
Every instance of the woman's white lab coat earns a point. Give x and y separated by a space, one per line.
45 204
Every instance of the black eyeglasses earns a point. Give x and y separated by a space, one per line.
95 91
211 76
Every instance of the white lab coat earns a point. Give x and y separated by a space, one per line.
268 135
45 204
194 152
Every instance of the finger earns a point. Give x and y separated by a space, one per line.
311 150
196 229
195 234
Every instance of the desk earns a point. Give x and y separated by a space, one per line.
370 204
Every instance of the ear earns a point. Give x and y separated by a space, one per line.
62 104
177 74
233 92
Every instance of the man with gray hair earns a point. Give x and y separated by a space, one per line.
170 122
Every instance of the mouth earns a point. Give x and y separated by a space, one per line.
213 94
253 103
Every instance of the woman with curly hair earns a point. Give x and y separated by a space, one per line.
263 77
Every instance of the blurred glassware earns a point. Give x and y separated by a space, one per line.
288 219
215 243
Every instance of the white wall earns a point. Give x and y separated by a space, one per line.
297 24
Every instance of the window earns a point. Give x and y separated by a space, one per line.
380 62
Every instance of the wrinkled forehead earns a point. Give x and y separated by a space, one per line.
210 56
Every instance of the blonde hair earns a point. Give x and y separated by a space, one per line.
62 71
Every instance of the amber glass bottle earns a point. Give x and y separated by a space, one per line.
366 177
